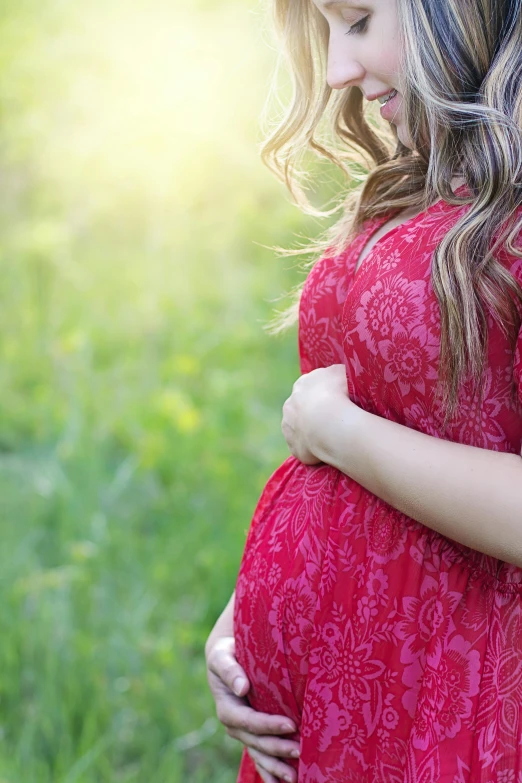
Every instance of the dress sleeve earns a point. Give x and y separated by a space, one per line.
305 361
320 309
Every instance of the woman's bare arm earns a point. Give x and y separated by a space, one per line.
471 495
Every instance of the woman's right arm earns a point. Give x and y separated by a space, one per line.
259 731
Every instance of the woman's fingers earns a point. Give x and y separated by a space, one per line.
273 766
266 777
222 661
236 714
269 746
260 732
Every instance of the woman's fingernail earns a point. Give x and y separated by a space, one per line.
287 727
295 753
238 685
288 778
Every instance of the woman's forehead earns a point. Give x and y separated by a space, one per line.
355 5
327 4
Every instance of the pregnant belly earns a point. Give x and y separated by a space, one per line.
377 636
281 578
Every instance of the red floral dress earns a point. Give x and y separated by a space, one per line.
396 650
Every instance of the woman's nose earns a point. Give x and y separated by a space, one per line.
343 69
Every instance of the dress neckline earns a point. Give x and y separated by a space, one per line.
375 224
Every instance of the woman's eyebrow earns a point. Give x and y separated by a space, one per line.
332 3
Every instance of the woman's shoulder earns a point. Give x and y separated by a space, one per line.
336 257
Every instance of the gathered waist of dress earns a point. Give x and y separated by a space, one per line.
305 503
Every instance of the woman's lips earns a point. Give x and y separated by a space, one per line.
389 110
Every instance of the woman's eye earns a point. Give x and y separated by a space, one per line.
359 27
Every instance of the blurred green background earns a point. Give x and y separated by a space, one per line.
141 399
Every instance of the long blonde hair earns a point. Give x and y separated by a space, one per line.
462 77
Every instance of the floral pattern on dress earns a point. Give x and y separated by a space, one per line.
396 650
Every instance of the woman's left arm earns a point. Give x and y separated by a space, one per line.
471 495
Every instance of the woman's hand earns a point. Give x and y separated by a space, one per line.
309 414
258 731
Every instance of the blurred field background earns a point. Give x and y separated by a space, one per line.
141 398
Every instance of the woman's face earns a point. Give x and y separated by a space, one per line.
363 51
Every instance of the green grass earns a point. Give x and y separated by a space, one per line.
141 399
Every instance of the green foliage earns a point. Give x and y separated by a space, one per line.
141 397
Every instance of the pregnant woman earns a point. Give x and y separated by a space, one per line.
375 633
